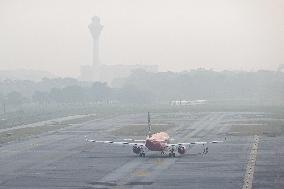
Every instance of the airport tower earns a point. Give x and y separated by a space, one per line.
96 28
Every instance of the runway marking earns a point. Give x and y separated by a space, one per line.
251 164
159 162
141 173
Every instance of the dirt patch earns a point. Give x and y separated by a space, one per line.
20 134
24 133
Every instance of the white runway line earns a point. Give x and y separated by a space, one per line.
251 164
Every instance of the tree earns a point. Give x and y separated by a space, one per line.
55 95
15 98
2 98
129 94
40 97
100 92
74 94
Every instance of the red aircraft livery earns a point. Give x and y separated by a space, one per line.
156 142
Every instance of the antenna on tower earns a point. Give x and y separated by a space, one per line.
149 125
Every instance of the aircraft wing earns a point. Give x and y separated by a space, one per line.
124 143
195 143
134 140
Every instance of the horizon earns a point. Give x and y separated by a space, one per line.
39 75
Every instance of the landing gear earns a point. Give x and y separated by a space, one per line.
172 153
142 153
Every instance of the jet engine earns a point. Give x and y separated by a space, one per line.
181 149
136 149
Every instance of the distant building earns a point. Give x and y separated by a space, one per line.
86 73
107 73
187 102
280 68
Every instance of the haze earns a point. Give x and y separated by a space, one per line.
176 35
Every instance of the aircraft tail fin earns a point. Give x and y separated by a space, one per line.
149 125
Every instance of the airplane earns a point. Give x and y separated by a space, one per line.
159 142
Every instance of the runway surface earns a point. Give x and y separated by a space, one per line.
63 159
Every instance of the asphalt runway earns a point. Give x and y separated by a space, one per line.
63 159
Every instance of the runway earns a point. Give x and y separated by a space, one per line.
63 159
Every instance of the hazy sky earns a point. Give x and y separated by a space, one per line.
177 35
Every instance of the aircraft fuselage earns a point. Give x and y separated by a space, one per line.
157 142
155 145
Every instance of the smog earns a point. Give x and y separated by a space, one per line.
141 94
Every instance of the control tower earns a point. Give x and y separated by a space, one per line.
96 28
101 72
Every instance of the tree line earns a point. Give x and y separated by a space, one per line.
146 87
